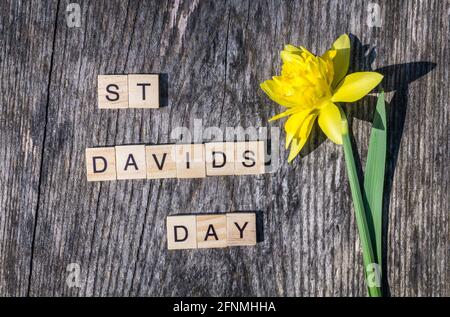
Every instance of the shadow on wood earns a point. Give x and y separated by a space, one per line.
163 90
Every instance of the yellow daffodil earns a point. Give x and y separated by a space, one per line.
309 86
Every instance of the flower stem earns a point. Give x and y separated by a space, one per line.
371 269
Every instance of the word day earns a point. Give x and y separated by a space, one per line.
128 91
211 231
175 160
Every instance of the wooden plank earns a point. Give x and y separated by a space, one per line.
26 44
212 55
101 214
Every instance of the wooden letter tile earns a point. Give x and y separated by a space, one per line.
211 231
241 229
181 232
190 160
249 158
219 158
161 161
112 91
130 161
101 164
143 91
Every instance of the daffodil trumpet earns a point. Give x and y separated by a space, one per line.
311 87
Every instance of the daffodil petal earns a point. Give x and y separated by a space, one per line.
288 140
282 115
302 136
292 54
296 147
288 57
330 122
271 89
307 125
291 48
293 124
330 54
342 58
355 86
308 53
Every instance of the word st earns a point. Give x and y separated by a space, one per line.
128 91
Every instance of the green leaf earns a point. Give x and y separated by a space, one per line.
364 227
374 176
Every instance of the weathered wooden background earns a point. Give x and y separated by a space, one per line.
213 55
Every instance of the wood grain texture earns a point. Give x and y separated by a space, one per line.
213 55
26 47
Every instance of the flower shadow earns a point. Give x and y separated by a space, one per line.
396 79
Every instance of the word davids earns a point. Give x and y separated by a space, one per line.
175 160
